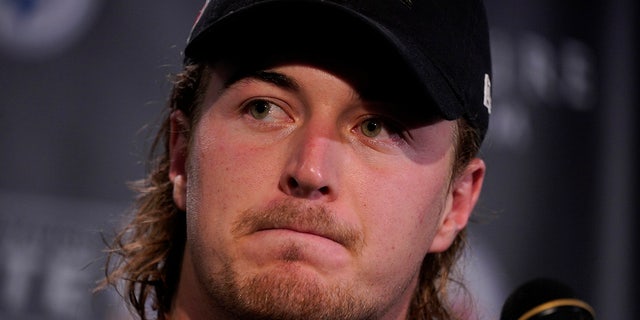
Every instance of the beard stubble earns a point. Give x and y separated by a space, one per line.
287 292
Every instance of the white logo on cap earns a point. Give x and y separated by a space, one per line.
487 92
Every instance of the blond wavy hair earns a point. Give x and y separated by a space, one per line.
143 261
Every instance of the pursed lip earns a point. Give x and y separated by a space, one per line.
317 221
303 230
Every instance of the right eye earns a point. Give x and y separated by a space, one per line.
259 109
265 110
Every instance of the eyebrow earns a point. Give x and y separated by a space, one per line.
276 78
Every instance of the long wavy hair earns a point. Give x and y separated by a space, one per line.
143 261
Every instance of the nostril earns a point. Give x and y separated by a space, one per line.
324 190
293 183
302 190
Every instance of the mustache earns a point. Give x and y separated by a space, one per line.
288 214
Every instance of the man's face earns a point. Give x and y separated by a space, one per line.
307 199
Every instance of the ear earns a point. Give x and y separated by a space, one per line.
178 151
462 198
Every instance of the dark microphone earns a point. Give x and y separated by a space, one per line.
545 299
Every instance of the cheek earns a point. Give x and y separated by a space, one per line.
412 189
228 167
403 209
227 174
400 214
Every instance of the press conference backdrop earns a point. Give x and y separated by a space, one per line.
82 83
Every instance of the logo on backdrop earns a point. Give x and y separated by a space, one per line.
537 74
36 29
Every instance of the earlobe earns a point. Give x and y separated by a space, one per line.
178 151
180 192
461 200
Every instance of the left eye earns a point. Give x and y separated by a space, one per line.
381 130
371 127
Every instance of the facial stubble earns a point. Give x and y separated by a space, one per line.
286 291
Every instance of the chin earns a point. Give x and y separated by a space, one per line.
290 290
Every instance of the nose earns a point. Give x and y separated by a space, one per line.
312 167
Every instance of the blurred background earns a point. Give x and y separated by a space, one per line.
83 82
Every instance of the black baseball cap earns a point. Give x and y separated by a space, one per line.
444 43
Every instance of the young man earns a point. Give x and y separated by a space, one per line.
319 163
